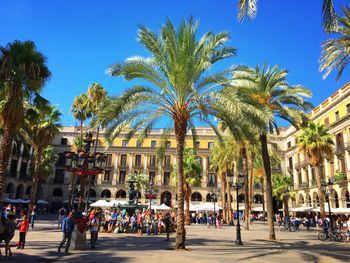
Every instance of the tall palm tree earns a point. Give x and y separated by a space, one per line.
23 73
248 8
81 111
97 96
283 189
336 51
177 88
223 157
41 126
192 173
268 87
316 141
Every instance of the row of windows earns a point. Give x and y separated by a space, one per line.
64 141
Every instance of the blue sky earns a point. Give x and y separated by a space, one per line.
82 38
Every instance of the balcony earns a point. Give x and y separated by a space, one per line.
123 165
138 165
347 146
313 184
304 185
341 176
290 168
339 150
152 166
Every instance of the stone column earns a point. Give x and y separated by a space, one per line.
310 175
18 169
294 171
115 172
30 158
159 175
145 163
347 158
130 163
204 171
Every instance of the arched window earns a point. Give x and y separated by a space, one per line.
301 200
257 199
120 194
197 197
106 194
10 190
211 197
241 198
334 199
20 192
29 190
308 199
165 198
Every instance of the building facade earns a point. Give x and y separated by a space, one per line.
125 158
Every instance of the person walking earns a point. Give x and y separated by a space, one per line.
10 232
95 224
168 223
67 230
32 217
61 215
23 229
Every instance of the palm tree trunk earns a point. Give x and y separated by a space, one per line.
180 134
223 199
285 206
263 199
188 197
229 203
246 189
319 190
35 183
81 134
268 185
5 150
251 185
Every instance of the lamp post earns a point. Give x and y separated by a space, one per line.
151 193
327 189
237 185
286 209
214 197
84 163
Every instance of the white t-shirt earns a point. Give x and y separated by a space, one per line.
95 223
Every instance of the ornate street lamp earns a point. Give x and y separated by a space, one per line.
150 193
214 197
84 163
238 184
327 189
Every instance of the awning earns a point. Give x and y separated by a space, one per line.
208 206
163 207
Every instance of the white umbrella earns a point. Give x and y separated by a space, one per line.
208 206
257 209
100 203
117 202
42 202
193 207
163 207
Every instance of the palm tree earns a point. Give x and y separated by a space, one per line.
283 189
316 141
222 159
268 87
49 158
41 126
177 89
81 111
335 51
97 96
23 73
192 173
248 8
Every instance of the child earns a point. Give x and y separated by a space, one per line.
23 228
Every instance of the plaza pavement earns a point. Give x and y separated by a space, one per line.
204 245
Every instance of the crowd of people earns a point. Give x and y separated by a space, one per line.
115 221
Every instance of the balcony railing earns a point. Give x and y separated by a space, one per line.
340 176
